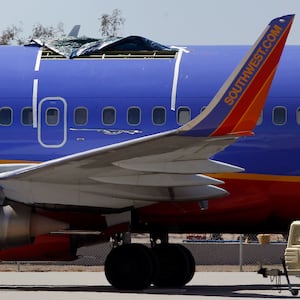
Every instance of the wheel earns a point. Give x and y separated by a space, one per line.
294 292
176 265
130 267
192 264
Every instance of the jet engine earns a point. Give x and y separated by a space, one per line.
19 225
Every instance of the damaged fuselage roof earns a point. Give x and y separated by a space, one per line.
128 47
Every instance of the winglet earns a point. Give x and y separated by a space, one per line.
238 104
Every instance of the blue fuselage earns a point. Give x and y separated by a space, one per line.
32 91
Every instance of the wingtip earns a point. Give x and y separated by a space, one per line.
238 104
284 18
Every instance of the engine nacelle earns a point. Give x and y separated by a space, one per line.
19 225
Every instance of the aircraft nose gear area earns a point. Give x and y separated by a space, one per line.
136 267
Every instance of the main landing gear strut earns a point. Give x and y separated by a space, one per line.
135 266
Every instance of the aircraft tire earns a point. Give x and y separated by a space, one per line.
130 267
192 264
176 265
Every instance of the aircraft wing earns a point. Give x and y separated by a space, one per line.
144 169
164 166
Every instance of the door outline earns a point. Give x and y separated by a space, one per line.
41 119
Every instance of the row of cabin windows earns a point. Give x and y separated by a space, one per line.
108 116
134 114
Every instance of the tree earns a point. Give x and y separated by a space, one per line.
111 24
10 35
45 33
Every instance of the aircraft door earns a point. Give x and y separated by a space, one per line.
52 122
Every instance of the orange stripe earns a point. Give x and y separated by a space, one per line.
258 177
2 162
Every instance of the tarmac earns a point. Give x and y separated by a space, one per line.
93 285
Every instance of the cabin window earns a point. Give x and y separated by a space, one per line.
279 115
80 116
52 116
183 115
27 116
159 116
5 116
202 109
108 116
134 116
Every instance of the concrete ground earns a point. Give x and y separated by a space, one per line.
93 285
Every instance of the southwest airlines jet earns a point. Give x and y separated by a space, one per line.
127 135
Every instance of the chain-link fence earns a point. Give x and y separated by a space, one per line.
208 250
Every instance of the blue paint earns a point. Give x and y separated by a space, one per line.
121 84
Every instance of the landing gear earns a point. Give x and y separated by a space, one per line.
135 266
130 267
176 265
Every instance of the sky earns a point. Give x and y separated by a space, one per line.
170 22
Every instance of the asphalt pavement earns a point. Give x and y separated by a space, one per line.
93 285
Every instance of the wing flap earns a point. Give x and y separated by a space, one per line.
159 180
179 167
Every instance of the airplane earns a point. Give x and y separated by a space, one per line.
129 135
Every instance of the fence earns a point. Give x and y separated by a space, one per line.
206 252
